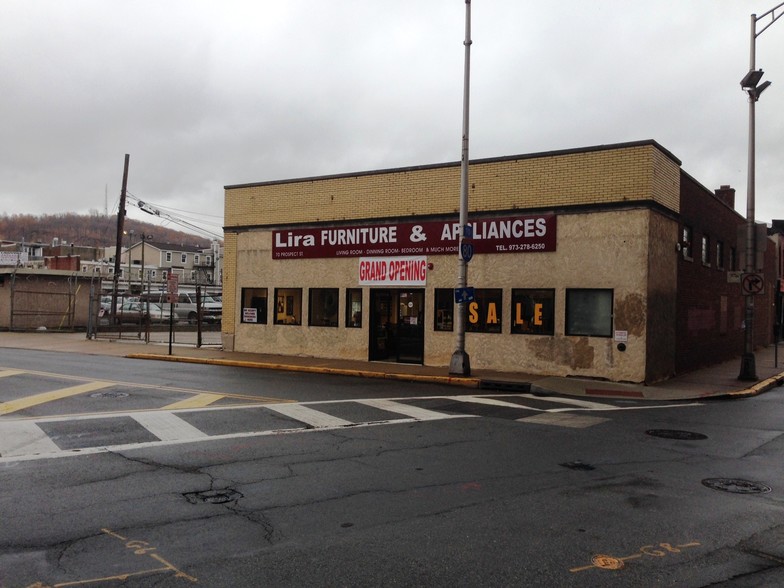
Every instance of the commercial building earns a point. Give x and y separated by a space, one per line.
607 262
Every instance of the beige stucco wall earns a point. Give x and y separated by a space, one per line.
594 250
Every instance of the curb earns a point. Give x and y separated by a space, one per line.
453 381
756 389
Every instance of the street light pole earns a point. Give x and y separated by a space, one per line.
751 85
461 364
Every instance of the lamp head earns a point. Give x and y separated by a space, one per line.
751 79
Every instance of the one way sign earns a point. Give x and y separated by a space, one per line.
464 295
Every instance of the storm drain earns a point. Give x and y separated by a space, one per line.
736 486
675 434
213 496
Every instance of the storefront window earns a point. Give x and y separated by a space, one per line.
445 309
254 305
589 312
484 313
288 306
353 308
323 307
533 312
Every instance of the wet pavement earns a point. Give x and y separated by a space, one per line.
717 381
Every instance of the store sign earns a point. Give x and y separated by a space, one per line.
393 271
12 258
516 234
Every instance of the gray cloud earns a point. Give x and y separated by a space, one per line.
204 94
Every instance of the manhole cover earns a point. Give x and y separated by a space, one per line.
213 496
736 486
109 394
577 465
675 434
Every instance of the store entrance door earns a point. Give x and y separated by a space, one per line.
397 327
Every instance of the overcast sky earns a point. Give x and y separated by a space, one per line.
205 94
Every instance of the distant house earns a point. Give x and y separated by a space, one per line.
152 262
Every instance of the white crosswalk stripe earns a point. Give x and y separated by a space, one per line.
21 438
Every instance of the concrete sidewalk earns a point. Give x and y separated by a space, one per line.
718 381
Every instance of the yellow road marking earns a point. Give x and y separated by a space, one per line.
195 401
5 373
35 400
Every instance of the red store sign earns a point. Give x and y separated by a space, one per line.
517 234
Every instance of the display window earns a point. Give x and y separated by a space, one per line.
445 309
533 311
288 306
484 312
254 305
353 308
589 312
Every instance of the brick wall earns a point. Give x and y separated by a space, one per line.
710 310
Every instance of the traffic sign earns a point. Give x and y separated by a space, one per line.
464 295
466 251
752 284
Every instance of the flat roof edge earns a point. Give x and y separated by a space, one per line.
595 148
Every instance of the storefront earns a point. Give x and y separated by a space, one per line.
575 264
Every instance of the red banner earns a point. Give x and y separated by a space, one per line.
517 234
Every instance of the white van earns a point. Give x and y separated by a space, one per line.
186 309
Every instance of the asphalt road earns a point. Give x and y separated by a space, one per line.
118 472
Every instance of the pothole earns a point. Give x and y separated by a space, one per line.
736 486
213 496
676 434
577 465
109 394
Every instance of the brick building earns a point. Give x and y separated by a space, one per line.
580 266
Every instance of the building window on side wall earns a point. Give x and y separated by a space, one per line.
706 250
184 257
589 312
353 308
168 256
686 241
445 309
254 306
720 255
484 313
533 312
323 307
288 306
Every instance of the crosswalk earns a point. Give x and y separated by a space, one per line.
46 415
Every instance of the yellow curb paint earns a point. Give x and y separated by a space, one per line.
195 401
465 382
30 401
6 373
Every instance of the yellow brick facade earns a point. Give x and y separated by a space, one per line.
640 172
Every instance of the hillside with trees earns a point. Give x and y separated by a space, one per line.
94 230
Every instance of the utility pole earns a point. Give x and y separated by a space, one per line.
460 363
118 242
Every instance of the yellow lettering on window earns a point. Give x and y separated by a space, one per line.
518 314
492 315
537 314
473 314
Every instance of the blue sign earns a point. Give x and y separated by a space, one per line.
466 251
464 295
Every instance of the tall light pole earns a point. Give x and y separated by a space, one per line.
461 363
130 244
751 85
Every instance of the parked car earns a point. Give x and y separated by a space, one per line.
134 312
186 308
